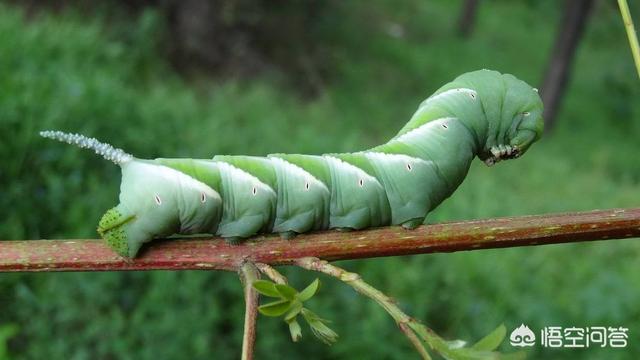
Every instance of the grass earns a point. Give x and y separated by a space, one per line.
82 74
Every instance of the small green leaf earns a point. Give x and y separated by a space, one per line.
323 332
286 291
295 330
319 328
310 315
266 288
296 307
275 308
491 341
309 291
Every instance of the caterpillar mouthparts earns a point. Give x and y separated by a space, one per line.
502 152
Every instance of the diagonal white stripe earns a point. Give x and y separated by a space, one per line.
444 94
374 155
177 176
345 165
420 130
234 171
299 171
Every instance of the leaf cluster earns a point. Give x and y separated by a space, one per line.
289 304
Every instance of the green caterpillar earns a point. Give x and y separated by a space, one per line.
482 113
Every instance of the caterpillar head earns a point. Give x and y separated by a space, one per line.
520 125
156 201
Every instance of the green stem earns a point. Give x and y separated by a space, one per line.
271 273
409 326
631 32
417 343
248 275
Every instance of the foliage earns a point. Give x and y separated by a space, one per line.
290 304
7 331
84 74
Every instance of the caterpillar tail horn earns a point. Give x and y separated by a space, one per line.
113 154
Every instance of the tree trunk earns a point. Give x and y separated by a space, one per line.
574 19
467 18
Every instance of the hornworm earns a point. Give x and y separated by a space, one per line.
482 113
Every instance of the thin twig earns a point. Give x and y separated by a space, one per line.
248 274
631 32
271 273
404 321
417 343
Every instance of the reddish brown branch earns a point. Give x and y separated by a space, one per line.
215 254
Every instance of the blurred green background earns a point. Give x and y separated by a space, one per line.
338 76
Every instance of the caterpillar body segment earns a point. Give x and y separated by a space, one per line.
303 200
483 113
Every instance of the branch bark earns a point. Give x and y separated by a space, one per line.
214 254
248 274
271 273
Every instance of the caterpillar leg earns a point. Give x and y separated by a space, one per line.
234 240
288 235
412 224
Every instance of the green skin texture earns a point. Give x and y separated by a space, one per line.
482 113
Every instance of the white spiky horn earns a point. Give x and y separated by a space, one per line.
107 151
